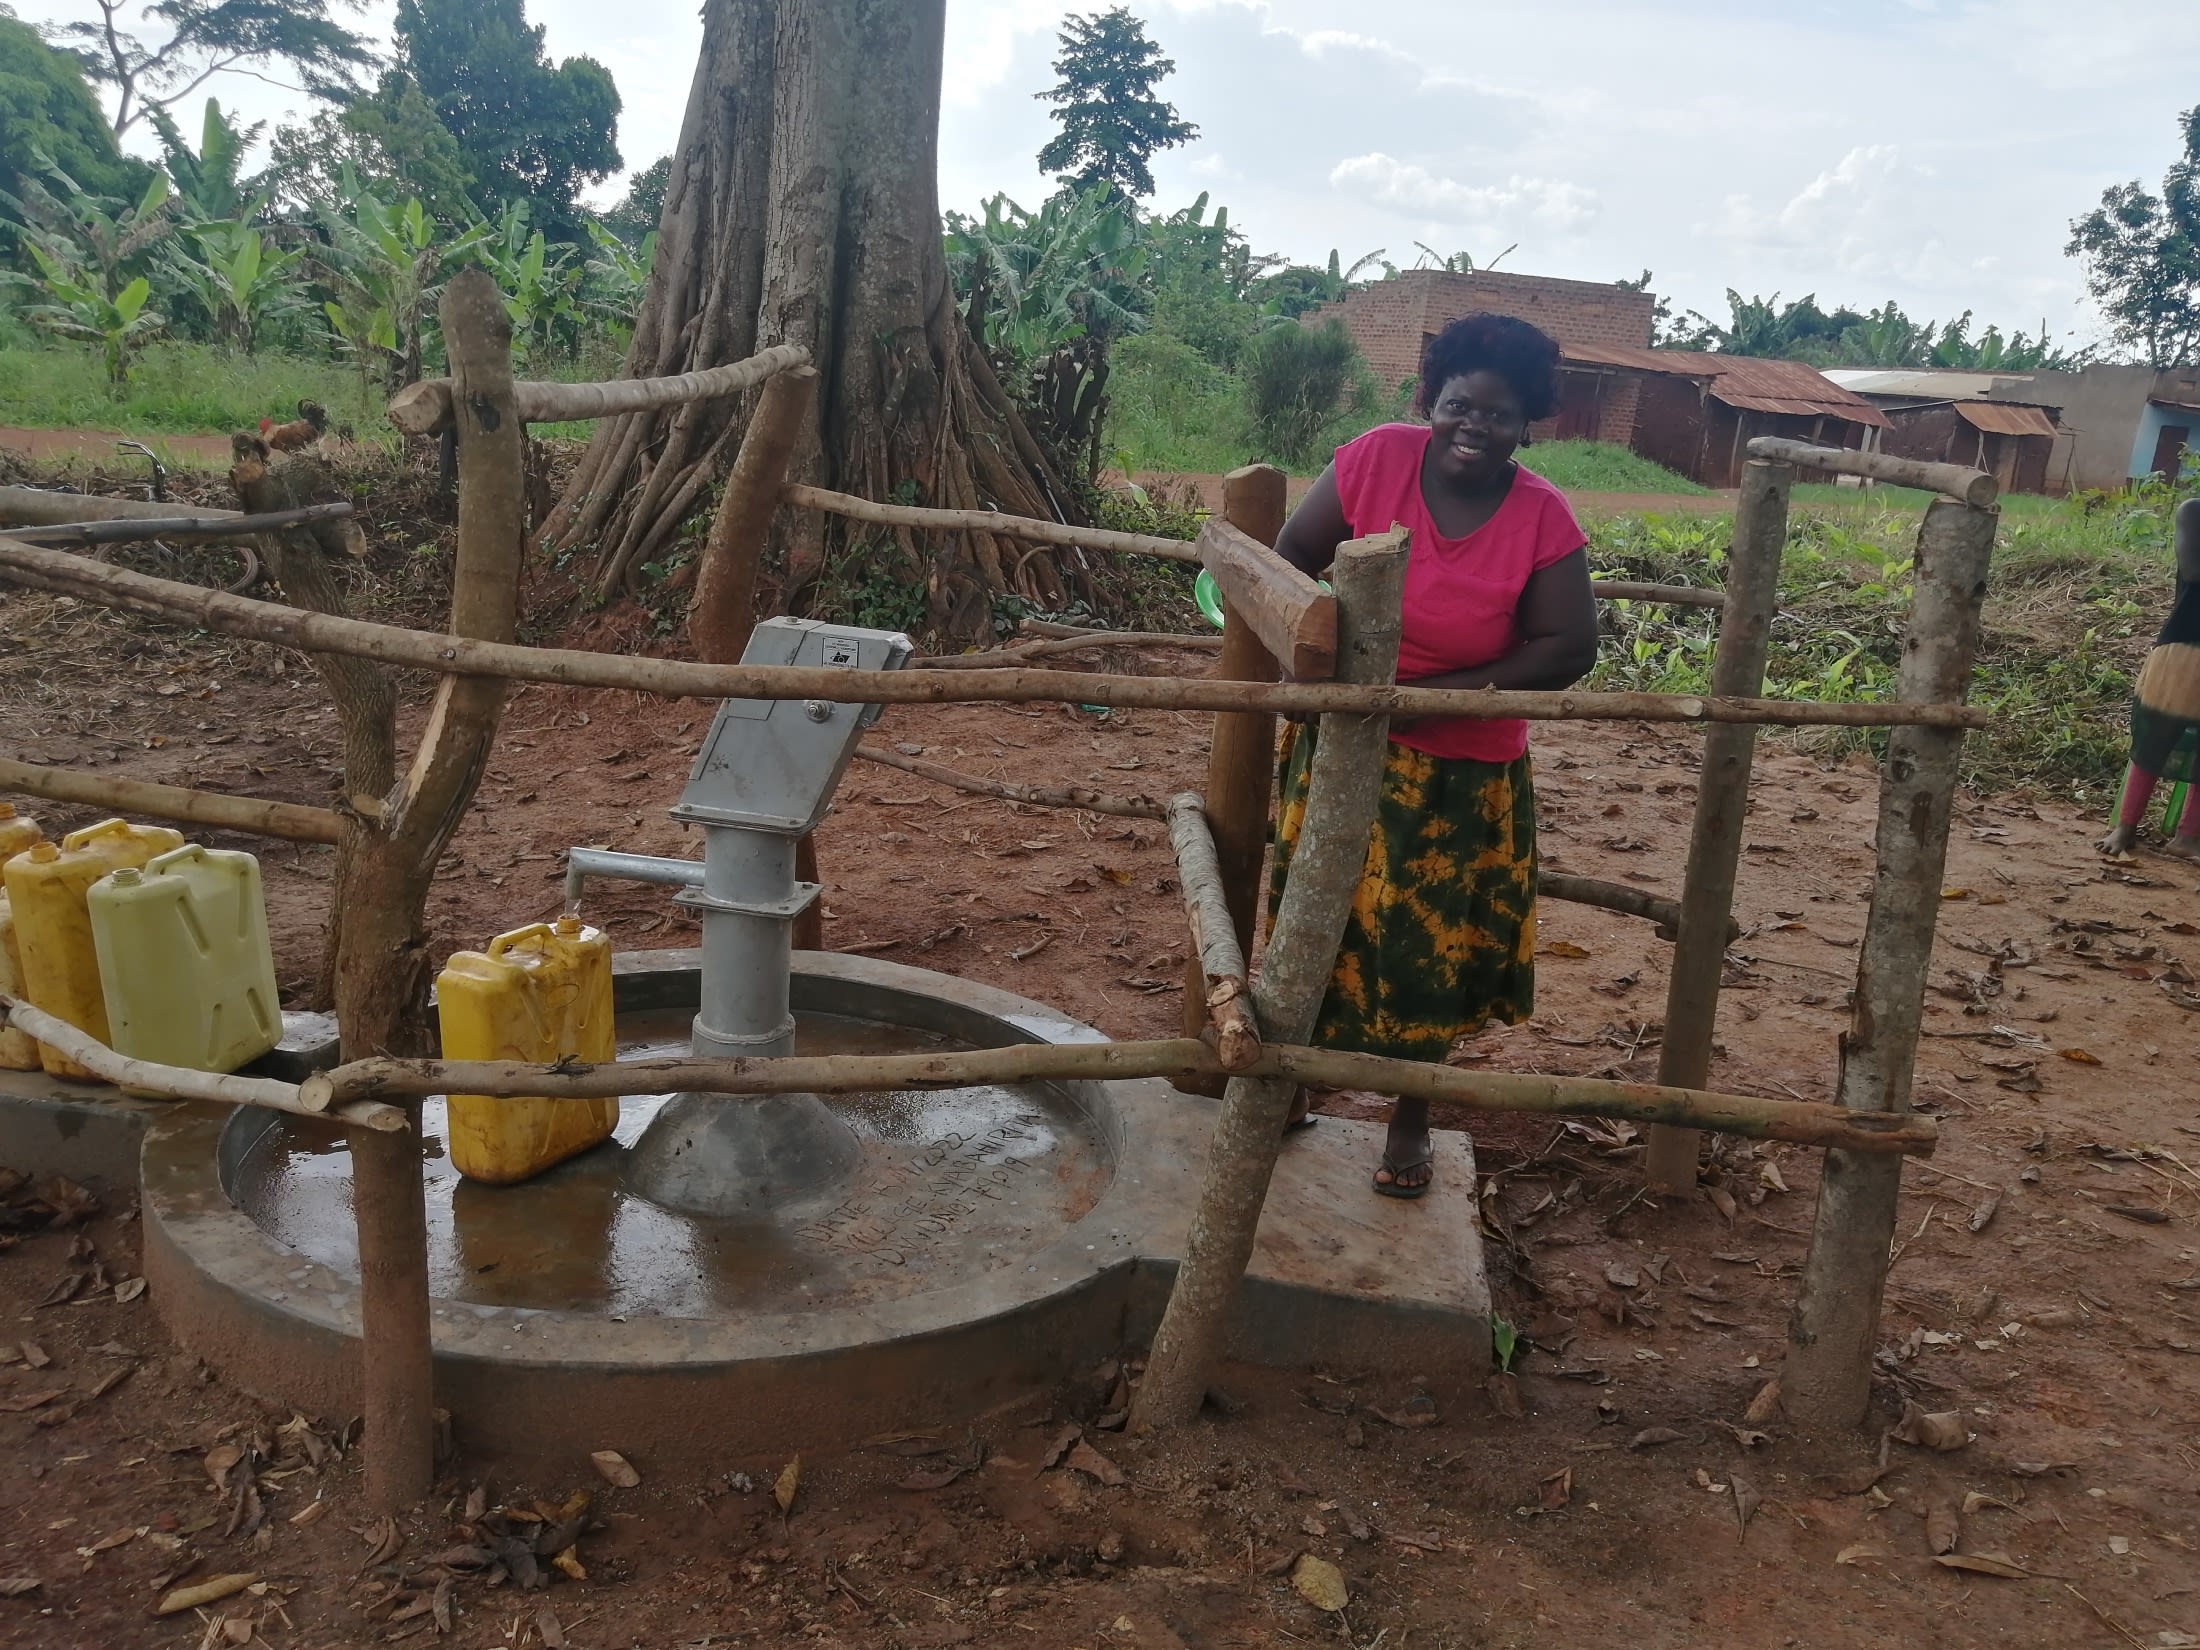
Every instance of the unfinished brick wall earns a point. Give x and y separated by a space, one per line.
1391 319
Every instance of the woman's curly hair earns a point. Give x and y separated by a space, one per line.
1521 353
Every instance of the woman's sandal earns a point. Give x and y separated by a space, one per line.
1392 1188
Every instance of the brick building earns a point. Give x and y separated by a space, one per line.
1392 319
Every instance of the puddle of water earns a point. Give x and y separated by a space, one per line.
953 1183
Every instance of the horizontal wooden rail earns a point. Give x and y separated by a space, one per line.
425 408
1673 595
1808 1123
42 507
1054 647
139 531
60 572
1617 896
181 1083
1294 618
287 820
1973 487
1027 528
1173 638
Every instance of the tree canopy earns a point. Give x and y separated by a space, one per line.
1111 122
1844 337
2142 257
48 113
204 37
527 129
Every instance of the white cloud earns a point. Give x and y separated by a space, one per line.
1557 205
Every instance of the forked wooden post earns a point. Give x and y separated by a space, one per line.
1344 789
389 1204
1722 808
1835 1328
1241 757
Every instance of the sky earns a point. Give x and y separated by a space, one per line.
1928 151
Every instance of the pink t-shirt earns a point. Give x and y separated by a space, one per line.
1462 595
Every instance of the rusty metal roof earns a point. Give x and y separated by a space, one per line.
2005 418
1749 382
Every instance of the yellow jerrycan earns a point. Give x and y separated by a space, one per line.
17 832
46 888
184 960
540 993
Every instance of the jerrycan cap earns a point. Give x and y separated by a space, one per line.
126 876
43 853
7 810
567 926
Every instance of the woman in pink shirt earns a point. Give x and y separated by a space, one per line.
1442 936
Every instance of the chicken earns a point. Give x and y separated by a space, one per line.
301 432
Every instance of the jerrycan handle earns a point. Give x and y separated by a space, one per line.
161 863
505 942
92 833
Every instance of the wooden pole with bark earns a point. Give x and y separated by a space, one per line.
1344 788
249 814
1835 1328
383 962
1801 1121
1722 809
1214 940
723 610
1241 754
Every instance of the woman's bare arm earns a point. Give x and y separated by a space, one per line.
1558 635
1310 538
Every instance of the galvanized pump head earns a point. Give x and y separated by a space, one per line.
762 781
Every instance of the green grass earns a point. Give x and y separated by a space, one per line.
2075 597
1601 467
175 389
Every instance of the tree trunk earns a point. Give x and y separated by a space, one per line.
802 207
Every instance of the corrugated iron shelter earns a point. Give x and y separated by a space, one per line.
1697 413
2011 441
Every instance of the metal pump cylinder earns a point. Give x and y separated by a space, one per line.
761 782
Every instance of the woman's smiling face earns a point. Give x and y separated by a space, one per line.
1476 422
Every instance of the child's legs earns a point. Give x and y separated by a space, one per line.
2188 821
2138 792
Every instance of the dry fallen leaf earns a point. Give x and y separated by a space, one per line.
568 1563
309 1514
1651 1437
549 1629
23 1401
220 1462
616 1469
1564 948
16 1586
1059 1446
1558 1489
1944 1431
1747 1499
1320 1583
1974 1501
1943 1529
1983 1215
1862 1552
786 1484
1765 1407
384 1539
1984 1564
129 1289
2079 1056
1089 1461
211 1591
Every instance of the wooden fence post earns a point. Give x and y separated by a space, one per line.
722 611
1241 759
1722 808
377 1003
1835 1328
1344 790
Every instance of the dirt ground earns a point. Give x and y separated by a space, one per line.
2045 1292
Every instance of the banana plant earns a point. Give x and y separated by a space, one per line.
541 287
616 277
76 305
385 267
94 234
242 285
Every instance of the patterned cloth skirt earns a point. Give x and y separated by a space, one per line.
2165 713
1441 941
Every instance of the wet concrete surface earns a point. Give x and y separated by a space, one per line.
952 1184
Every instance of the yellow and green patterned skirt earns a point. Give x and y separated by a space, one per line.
1441 940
